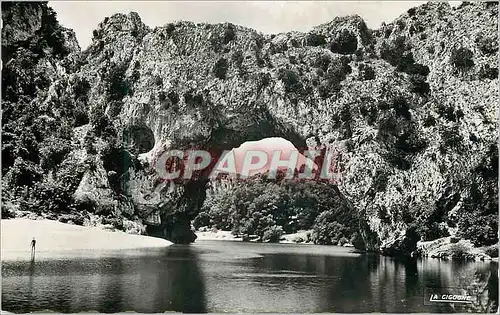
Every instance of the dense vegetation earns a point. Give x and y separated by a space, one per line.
41 109
36 136
267 208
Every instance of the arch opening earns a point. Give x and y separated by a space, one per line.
256 205
264 208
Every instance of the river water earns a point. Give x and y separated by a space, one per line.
224 276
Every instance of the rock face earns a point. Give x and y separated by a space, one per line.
412 105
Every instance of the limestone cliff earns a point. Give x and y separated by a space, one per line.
412 104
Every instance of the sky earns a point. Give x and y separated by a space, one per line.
267 145
265 16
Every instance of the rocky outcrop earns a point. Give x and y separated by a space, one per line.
412 105
453 248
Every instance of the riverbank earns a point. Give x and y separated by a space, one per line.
297 238
455 248
301 237
444 248
219 235
54 238
216 236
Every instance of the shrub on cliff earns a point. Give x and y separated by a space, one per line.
339 67
418 76
229 34
462 59
449 112
220 68
410 142
52 33
401 107
398 53
237 59
80 114
22 174
262 80
81 88
291 80
366 72
53 151
451 139
380 180
393 51
322 61
419 85
313 39
54 193
368 110
170 28
101 124
345 43
487 72
336 73
478 218
487 44
118 87
173 97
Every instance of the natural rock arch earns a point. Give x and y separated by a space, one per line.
404 114
303 91
189 194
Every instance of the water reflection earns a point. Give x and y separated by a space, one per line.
169 280
236 277
183 280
